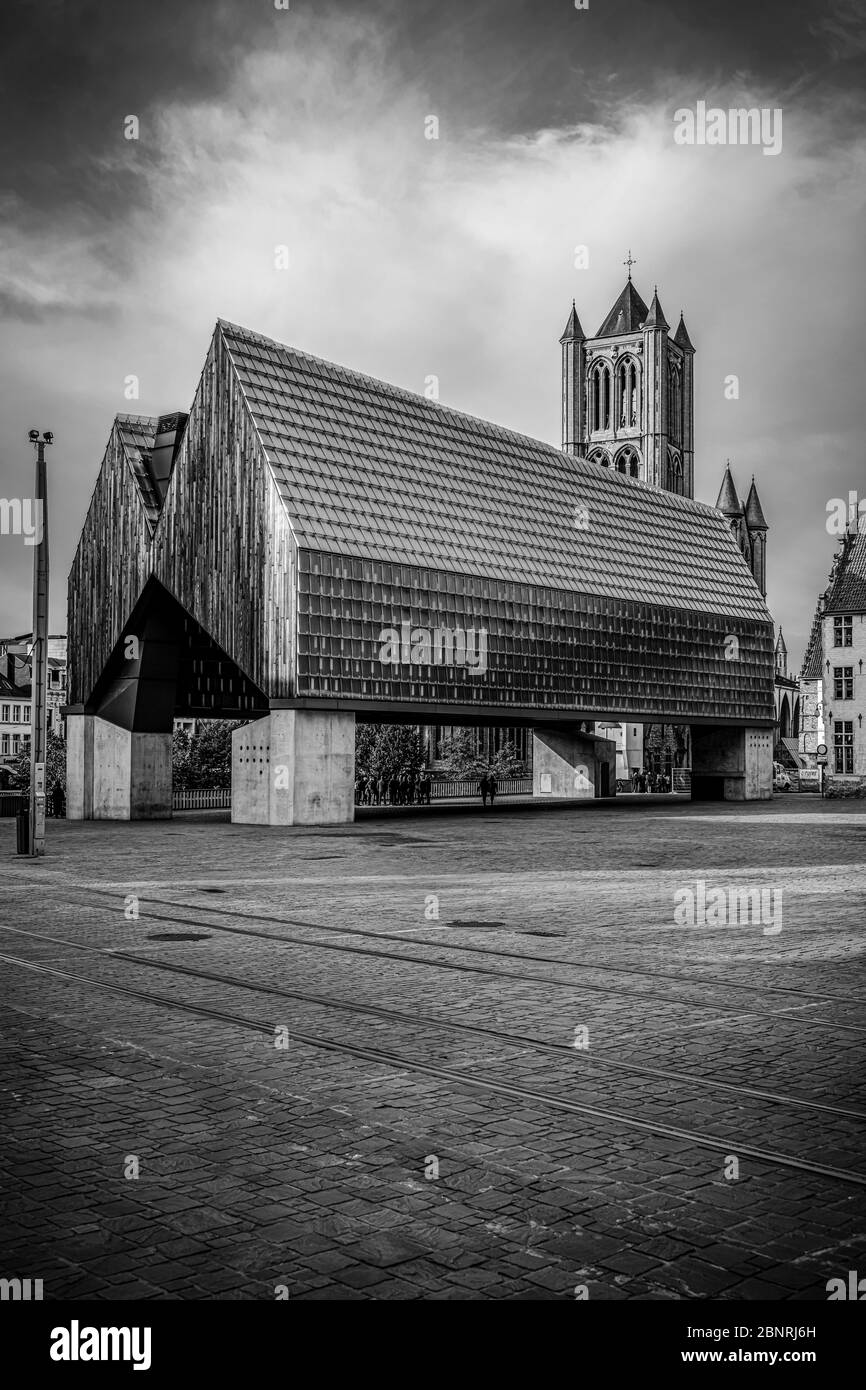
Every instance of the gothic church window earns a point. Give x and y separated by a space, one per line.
601 397
599 456
627 393
627 462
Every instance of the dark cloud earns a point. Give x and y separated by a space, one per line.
261 126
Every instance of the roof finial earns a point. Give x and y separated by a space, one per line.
629 263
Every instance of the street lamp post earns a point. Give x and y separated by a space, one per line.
39 656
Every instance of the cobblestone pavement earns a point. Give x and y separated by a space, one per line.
468 1054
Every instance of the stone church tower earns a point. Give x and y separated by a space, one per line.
628 393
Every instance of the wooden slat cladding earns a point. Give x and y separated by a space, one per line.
109 571
223 545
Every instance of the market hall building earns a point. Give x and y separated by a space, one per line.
310 547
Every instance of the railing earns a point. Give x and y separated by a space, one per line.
13 802
468 786
202 799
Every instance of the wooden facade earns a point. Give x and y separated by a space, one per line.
111 564
222 544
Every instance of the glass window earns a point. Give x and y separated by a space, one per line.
843 745
843 682
842 632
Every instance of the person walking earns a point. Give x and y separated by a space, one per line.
484 788
57 800
492 786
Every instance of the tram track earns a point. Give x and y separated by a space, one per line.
553 980
449 1076
818 996
596 1057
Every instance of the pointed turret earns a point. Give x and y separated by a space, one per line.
781 655
656 317
573 331
627 314
681 337
728 502
754 512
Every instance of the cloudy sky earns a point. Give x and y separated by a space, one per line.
305 128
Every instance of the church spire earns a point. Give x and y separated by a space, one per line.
727 501
573 331
754 511
681 337
656 317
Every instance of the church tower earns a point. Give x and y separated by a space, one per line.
628 393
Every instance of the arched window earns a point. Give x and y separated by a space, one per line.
784 718
627 461
626 390
599 456
600 394
675 401
676 481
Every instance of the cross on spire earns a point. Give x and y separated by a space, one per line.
629 262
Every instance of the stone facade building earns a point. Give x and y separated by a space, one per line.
833 682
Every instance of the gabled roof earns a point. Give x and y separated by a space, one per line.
728 502
754 512
366 469
138 436
573 329
627 314
813 658
847 593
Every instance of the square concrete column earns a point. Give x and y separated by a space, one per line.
79 766
114 774
131 773
565 762
295 767
732 764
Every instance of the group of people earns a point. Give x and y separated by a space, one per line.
643 781
407 789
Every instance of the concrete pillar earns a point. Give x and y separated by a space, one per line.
295 767
732 764
567 762
79 766
114 774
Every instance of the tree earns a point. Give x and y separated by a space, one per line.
180 756
204 759
388 751
398 752
461 757
55 767
366 736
